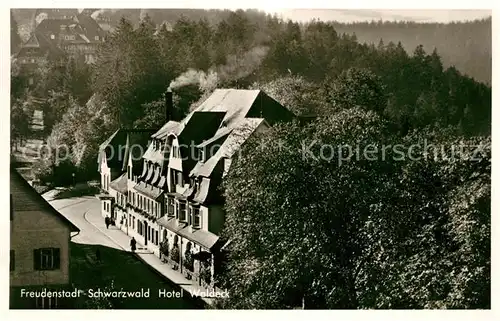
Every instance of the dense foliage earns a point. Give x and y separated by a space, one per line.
324 223
312 222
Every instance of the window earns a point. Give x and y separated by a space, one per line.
156 237
196 217
46 259
182 212
97 38
179 178
170 206
104 206
174 177
129 219
12 260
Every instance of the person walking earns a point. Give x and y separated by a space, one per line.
133 242
107 222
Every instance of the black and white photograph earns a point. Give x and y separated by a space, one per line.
250 159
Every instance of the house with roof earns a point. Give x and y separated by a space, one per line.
122 151
68 33
175 205
39 247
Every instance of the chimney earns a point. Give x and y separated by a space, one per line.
169 105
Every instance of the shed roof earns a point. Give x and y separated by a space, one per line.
25 199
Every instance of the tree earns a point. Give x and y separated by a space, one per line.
357 87
129 72
305 239
297 94
20 120
15 39
405 216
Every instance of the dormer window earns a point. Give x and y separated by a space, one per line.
196 221
170 206
180 180
182 212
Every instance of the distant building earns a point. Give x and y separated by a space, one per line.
39 248
170 200
60 33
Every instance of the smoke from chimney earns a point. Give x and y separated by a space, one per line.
169 105
142 14
237 67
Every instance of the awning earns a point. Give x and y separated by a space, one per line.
156 176
202 193
201 237
144 171
105 197
161 184
150 174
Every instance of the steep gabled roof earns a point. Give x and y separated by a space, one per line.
26 199
237 136
234 102
119 145
136 146
120 184
32 42
53 26
90 27
40 41
170 127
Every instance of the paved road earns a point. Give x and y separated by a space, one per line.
75 210
78 210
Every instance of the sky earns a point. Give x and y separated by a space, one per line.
350 15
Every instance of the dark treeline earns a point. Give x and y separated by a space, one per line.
465 45
306 231
306 66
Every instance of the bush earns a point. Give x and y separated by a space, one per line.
189 261
174 254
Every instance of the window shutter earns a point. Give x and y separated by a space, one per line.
57 258
36 259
